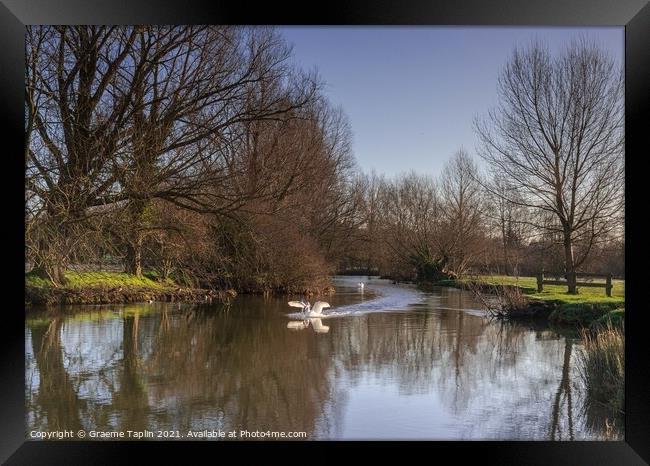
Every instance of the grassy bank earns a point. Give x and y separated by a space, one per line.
105 279
121 287
558 293
112 287
590 305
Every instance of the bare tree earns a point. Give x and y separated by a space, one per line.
123 116
74 125
414 232
462 201
370 253
462 205
557 137
509 220
197 93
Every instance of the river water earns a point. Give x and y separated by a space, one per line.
388 362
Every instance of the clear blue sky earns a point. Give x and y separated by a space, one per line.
411 93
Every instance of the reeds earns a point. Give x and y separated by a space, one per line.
602 365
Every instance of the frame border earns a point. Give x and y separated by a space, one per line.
633 14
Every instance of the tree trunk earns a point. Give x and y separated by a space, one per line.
135 237
505 256
166 269
53 272
569 264
58 274
49 262
134 257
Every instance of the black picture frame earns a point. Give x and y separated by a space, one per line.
634 15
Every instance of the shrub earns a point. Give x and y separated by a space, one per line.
582 314
432 270
500 300
615 317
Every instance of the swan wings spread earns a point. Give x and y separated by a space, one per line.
319 306
316 309
297 304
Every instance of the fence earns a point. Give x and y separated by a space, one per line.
607 285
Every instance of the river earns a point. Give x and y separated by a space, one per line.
388 362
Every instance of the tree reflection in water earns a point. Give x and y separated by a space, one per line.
56 404
161 367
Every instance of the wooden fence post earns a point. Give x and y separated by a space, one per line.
608 285
540 281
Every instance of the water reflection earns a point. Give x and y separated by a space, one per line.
428 370
315 323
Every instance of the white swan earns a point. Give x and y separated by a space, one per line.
361 285
308 310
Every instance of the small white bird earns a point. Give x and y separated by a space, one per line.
361 285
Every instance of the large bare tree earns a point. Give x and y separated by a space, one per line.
197 94
74 124
557 137
123 116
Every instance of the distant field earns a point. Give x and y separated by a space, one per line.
559 293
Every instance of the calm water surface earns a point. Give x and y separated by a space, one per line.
387 363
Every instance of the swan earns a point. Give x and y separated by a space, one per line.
361 285
308 310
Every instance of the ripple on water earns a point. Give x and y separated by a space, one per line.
388 298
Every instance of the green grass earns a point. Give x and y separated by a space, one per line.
581 314
101 279
615 318
32 279
559 293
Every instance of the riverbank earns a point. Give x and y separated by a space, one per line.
120 287
114 288
588 307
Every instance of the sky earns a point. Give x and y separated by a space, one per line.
412 93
